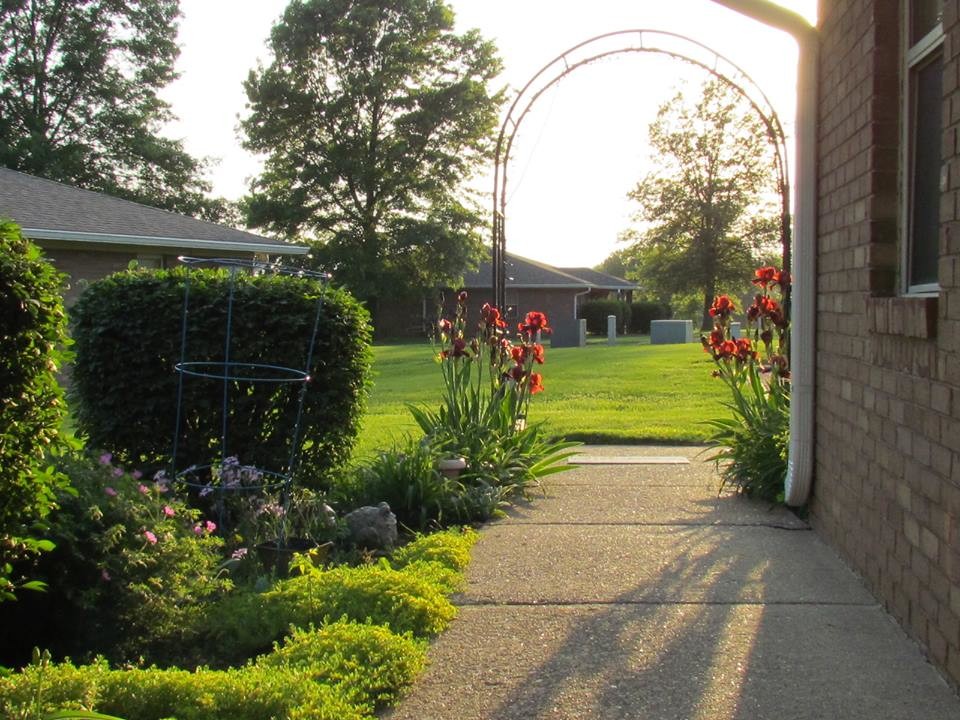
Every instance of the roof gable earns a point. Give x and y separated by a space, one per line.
525 273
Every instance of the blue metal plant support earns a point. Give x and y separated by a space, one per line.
225 474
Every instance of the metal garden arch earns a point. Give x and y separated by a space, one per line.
607 45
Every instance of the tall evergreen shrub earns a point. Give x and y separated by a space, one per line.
644 312
596 311
32 338
127 330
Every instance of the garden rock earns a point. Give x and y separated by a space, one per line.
374 528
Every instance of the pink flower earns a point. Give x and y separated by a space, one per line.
104 575
144 490
117 472
151 538
210 525
136 474
106 458
110 491
168 511
197 530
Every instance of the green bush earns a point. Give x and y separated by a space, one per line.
32 338
644 312
405 601
595 312
450 548
133 573
407 479
410 599
127 329
250 693
369 662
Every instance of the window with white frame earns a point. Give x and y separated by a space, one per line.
922 135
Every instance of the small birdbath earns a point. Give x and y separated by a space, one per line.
452 467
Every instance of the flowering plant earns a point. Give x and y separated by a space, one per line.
489 381
753 442
136 564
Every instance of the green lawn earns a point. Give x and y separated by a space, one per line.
628 393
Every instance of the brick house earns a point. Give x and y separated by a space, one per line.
879 162
530 285
886 487
89 235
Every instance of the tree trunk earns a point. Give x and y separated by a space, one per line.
706 324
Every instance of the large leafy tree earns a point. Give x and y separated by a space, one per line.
707 209
78 99
373 113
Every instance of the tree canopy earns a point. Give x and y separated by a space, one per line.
373 114
707 207
78 100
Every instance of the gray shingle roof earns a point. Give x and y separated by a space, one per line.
49 210
599 279
526 273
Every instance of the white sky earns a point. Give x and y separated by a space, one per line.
582 147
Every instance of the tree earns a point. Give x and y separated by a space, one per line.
373 113
78 100
707 205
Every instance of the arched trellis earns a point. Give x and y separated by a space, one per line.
607 45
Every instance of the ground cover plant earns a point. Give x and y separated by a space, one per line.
630 392
338 642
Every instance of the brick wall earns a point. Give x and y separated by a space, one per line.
887 475
85 266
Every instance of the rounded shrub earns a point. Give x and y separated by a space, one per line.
127 329
371 663
404 600
32 342
595 312
644 312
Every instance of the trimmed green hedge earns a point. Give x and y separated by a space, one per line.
248 693
32 338
643 313
596 311
127 329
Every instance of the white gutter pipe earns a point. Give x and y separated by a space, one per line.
804 298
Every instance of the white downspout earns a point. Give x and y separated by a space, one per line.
576 301
804 299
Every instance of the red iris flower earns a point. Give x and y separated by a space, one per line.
533 323
765 276
536 383
491 316
722 307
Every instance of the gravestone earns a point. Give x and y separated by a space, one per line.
671 332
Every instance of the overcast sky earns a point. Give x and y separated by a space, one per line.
581 148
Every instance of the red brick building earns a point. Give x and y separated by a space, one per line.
886 480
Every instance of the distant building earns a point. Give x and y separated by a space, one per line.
530 285
89 235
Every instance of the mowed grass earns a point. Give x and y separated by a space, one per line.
631 392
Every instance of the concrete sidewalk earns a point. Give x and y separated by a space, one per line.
634 591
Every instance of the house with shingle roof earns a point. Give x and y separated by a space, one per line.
530 285
89 235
